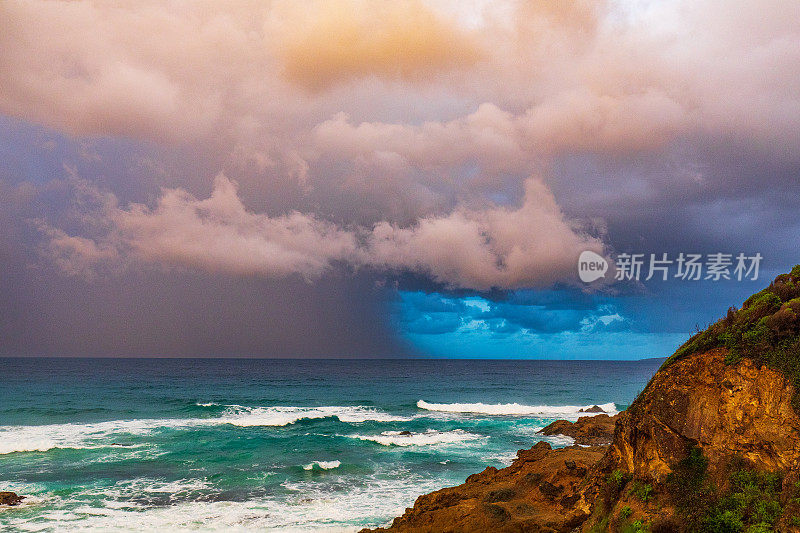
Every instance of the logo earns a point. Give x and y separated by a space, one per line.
591 266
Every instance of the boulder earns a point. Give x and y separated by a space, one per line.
10 498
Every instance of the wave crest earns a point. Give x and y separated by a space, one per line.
516 409
429 437
103 434
283 416
323 465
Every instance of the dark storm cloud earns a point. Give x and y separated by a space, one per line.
709 198
158 313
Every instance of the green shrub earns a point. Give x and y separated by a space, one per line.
760 528
625 512
616 478
643 491
762 300
615 481
722 522
750 505
635 527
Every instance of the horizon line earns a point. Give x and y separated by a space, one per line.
289 358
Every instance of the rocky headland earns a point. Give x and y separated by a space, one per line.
711 445
595 430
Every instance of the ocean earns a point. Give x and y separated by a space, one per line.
284 444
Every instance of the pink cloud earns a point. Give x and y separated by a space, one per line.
408 114
496 247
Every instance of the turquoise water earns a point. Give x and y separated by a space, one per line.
165 444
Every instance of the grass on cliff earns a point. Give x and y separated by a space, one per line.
766 329
750 504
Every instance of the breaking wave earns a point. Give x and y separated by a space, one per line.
103 434
322 465
515 409
427 438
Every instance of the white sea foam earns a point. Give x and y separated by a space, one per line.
282 416
558 440
92 435
103 434
532 432
324 465
311 506
503 458
429 437
516 409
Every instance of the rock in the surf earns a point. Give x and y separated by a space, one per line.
10 498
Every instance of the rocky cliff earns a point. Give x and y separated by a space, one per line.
711 445
739 410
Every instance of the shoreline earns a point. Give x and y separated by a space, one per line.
530 493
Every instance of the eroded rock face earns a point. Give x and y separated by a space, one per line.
542 491
729 410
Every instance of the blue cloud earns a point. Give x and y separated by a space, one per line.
561 323
436 313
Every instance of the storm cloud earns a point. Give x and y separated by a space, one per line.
465 148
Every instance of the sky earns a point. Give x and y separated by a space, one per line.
350 178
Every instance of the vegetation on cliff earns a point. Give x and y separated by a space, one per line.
750 500
766 329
